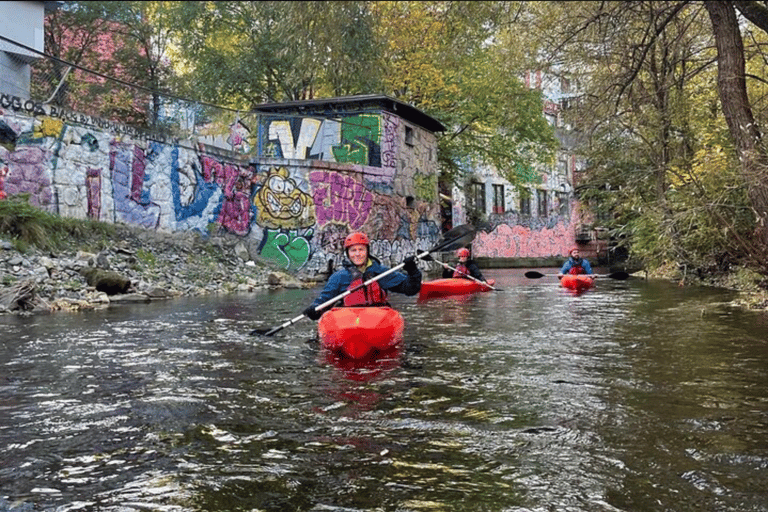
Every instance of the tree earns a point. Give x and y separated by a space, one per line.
454 61
242 54
654 132
121 40
737 109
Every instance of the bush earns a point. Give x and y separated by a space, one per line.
28 225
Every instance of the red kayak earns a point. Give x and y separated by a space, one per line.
578 283
451 286
359 332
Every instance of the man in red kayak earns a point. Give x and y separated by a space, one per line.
465 267
359 267
575 264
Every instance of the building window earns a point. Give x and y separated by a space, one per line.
542 202
525 205
477 192
562 201
409 135
498 199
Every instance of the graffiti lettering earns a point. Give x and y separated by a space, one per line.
340 199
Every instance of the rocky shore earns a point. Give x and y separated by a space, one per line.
146 265
136 266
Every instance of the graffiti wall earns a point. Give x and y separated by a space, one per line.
513 237
293 204
517 234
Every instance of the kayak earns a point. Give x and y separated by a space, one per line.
451 286
359 332
578 282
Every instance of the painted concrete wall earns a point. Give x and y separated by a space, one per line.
292 207
513 234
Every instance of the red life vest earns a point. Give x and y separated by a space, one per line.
371 295
577 269
461 270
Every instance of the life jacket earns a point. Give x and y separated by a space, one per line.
461 270
370 295
577 269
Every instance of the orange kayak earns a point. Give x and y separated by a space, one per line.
359 332
451 286
578 282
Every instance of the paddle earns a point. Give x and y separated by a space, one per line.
453 239
470 277
532 274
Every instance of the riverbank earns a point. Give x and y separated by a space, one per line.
133 265
752 288
137 265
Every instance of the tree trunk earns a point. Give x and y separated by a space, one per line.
732 87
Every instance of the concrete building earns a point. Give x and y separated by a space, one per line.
21 31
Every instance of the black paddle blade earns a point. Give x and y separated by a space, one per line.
455 238
621 276
532 274
259 332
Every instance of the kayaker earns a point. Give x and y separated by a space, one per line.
358 267
465 267
575 264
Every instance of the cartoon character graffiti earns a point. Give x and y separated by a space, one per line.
282 204
284 209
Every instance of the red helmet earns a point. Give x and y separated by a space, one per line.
355 239
462 253
574 249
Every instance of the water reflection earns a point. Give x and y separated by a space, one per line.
631 396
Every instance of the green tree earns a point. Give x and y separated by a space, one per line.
242 54
660 158
454 60
126 41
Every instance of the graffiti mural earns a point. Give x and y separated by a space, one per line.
281 203
518 241
352 139
334 175
288 249
340 198
360 141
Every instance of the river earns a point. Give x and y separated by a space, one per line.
633 396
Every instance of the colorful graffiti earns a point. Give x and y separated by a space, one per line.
294 214
281 203
133 204
517 241
288 249
353 139
339 198
360 139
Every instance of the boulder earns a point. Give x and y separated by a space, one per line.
107 281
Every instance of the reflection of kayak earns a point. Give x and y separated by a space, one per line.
358 332
365 369
578 282
451 286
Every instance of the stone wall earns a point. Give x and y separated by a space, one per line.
291 212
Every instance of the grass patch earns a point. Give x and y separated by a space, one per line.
28 225
146 257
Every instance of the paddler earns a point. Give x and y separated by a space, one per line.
575 264
358 267
466 267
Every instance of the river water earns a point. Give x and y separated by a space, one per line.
633 396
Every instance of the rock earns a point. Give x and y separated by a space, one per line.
102 261
130 297
241 251
143 266
106 281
